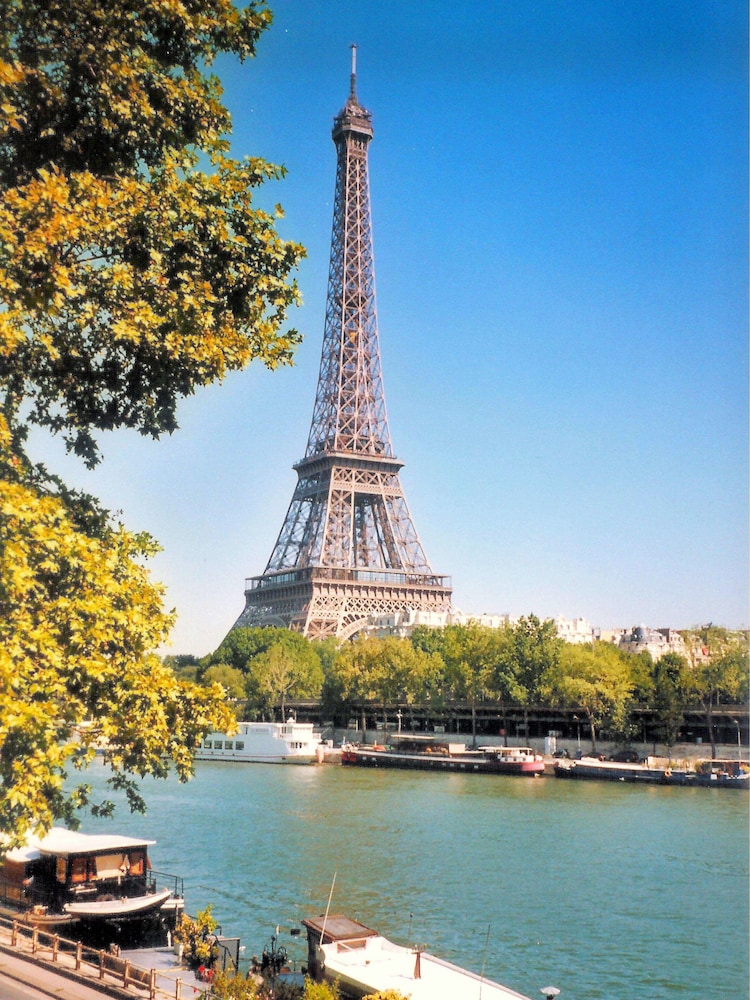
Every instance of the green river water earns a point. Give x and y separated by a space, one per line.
603 890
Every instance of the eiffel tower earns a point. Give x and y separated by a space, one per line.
348 549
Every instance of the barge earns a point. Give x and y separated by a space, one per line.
710 773
428 754
591 768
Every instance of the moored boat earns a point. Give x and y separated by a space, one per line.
287 742
592 768
361 961
711 773
92 879
720 773
432 755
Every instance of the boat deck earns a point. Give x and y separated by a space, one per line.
381 965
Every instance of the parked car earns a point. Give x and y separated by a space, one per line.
626 757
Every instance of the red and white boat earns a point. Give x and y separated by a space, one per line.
428 754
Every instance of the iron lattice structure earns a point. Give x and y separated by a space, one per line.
348 549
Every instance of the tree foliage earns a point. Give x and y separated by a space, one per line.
720 672
231 679
78 616
275 664
134 268
280 673
129 275
387 672
596 679
670 684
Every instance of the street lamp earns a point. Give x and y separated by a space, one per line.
578 727
739 742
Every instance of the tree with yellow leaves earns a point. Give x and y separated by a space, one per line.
134 268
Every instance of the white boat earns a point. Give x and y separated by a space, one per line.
127 906
287 742
363 962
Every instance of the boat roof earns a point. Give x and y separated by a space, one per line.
339 927
62 842
378 966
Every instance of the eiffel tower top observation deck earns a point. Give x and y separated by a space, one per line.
348 549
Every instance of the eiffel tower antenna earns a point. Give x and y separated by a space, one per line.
347 550
353 79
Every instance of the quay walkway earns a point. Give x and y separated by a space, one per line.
66 970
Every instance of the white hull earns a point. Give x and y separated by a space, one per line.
264 743
248 759
364 962
108 909
382 966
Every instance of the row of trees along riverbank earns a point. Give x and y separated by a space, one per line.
521 679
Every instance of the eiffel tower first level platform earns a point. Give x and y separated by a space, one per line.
347 552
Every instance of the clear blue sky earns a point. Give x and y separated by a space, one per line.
560 220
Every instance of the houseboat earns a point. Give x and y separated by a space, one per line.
361 961
91 879
428 754
287 742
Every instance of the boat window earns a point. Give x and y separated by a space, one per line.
78 870
228 745
208 745
109 865
239 745
61 870
351 945
136 863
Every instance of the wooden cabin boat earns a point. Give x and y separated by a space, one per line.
429 754
67 876
362 961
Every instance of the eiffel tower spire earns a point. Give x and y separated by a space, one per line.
347 549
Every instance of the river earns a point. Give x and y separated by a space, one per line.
604 890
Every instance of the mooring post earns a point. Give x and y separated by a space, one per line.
14 935
55 946
152 985
126 974
178 989
34 940
79 953
101 964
